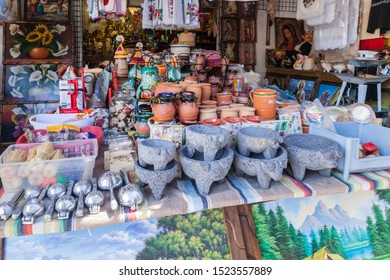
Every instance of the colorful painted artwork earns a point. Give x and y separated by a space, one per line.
9 10
229 8
247 53
15 121
49 10
301 89
247 9
351 226
15 118
328 94
37 42
277 58
193 236
32 82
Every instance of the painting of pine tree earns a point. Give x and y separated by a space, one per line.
344 226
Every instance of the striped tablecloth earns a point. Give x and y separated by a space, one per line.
181 197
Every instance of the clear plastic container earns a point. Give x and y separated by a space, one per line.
77 165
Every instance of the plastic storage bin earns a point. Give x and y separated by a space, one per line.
77 165
349 136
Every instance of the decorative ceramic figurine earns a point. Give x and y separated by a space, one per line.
148 83
120 56
326 66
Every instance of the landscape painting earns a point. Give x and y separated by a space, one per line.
193 236
353 226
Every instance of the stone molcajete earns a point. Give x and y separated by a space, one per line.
156 152
311 152
157 180
258 140
206 139
264 169
205 172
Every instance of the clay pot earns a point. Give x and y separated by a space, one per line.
228 112
188 111
208 114
206 91
209 102
224 98
197 89
162 87
141 125
264 101
211 121
246 111
175 88
163 107
184 84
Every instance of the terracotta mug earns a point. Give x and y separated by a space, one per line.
264 101
197 89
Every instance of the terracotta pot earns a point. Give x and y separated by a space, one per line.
236 106
184 84
246 111
264 101
39 53
191 78
211 121
208 114
224 98
205 106
228 112
162 87
197 89
209 102
141 124
163 108
188 111
206 91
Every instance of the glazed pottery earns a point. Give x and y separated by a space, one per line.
148 82
141 125
264 101
313 152
157 180
206 139
163 107
264 169
258 140
205 172
156 152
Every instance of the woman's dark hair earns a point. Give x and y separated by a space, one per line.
171 37
290 28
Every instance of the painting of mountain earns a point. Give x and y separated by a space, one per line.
346 226
198 235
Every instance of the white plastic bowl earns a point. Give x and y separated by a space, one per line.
41 121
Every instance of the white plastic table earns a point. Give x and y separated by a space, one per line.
362 86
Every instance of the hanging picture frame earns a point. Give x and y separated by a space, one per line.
277 58
247 9
229 30
209 4
288 33
47 11
27 42
230 51
247 53
247 30
31 82
9 10
229 8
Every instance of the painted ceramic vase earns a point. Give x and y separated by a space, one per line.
148 84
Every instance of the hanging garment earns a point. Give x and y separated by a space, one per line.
110 6
353 18
121 7
334 35
191 14
147 14
102 9
172 15
309 8
95 10
379 16
329 14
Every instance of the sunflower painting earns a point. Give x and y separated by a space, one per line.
40 42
